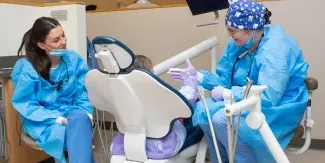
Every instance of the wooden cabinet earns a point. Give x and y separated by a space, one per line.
18 152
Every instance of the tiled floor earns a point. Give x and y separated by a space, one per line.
311 156
99 151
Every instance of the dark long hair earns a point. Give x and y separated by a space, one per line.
37 56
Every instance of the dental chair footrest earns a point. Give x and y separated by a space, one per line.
186 156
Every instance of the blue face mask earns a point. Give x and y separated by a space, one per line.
250 42
59 52
56 52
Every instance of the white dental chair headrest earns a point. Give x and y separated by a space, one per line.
114 55
139 100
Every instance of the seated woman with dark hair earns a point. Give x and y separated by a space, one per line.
50 93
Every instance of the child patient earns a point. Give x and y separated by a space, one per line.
161 148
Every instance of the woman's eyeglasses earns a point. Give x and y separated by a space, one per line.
231 32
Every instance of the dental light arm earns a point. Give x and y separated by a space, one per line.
256 120
190 53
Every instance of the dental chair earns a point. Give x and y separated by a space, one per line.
143 105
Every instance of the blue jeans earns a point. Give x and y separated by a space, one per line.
78 137
244 153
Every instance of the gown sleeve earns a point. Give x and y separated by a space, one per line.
81 99
224 68
25 79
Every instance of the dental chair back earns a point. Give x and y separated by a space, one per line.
143 105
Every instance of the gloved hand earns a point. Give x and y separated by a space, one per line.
217 93
190 89
179 74
65 121
62 121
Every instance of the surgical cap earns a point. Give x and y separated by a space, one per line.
247 15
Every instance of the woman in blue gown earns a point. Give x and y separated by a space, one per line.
50 95
268 56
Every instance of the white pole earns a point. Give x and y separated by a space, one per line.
213 60
214 139
230 140
181 57
273 144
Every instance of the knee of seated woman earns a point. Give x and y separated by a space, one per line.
78 115
219 119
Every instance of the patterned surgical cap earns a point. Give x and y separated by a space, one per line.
247 15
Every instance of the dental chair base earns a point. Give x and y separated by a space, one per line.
193 153
186 156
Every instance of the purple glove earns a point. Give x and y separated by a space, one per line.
190 89
182 74
191 81
217 93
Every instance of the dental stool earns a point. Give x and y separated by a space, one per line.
305 129
143 105
29 141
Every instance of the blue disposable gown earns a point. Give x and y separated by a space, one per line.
277 63
40 104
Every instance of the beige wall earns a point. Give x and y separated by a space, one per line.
104 4
112 4
163 32
156 33
11 32
108 4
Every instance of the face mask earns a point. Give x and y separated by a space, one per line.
250 42
59 52
56 52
